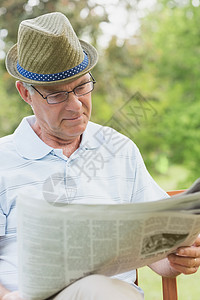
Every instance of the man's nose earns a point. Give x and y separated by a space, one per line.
73 102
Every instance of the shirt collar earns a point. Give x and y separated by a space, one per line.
30 146
27 142
92 138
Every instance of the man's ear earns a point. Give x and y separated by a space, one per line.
24 93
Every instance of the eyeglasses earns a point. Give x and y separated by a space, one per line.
80 90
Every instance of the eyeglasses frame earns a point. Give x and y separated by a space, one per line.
72 91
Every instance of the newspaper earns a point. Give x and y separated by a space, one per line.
61 244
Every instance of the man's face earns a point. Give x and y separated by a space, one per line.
66 120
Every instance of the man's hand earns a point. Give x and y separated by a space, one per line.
12 296
186 260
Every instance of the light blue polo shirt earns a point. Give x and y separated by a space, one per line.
106 168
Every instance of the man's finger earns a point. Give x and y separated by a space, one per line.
187 262
183 269
197 241
192 251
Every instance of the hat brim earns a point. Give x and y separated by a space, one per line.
12 58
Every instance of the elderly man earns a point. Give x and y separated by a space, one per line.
53 67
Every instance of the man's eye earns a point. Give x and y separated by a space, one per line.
57 97
82 88
79 88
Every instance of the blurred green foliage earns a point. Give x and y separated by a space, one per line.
172 57
147 87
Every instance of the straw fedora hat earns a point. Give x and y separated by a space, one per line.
49 52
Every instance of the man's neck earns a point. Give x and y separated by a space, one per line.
68 146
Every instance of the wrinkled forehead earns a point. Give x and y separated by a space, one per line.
65 86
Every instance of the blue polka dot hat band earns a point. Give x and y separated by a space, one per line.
56 76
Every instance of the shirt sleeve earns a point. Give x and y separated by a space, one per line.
2 223
145 188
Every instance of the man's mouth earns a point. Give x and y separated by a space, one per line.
74 118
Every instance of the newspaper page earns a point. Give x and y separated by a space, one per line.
61 244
